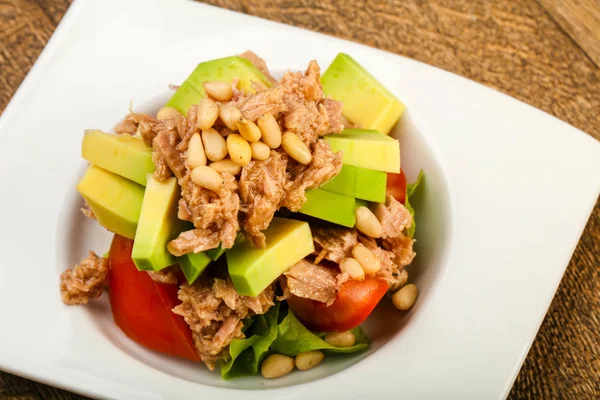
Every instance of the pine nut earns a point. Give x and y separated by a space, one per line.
249 130
167 112
341 339
295 147
276 366
260 151
352 268
195 153
405 298
271 133
239 149
208 112
208 178
309 359
367 222
215 146
226 165
367 259
218 90
230 115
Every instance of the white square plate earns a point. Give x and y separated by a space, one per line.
508 194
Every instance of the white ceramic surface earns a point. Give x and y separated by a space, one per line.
509 189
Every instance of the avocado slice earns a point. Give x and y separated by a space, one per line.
367 149
367 102
358 182
115 201
253 269
123 155
222 70
193 264
329 206
158 225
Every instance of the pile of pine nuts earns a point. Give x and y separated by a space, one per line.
209 153
278 365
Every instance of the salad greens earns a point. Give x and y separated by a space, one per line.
294 338
410 190
278 331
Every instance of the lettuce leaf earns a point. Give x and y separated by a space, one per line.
278 331
294 338
247 354
410 190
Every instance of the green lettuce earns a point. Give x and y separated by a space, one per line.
294 338
410 190
278 331
247 354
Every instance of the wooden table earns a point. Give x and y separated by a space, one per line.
514 46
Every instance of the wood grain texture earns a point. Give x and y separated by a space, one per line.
581 20
514 46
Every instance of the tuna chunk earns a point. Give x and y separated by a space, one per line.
258 63
394 217
214 311
214 215
311 281
86 281
261 191
334 244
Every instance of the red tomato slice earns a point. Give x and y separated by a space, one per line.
354 303
396 186
142 307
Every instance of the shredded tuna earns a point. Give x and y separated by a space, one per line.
261 191
165 275
324 166
165 148
269 101
334 114
307 120
402 247
211 213
334 244
394 217
126 127
194 241
303 87
214 311
258 63
87 211
86 281
138 122
312 281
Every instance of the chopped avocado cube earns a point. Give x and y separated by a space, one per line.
222 70
193 264
367 102
358 182
253 269
115 201
367 149
158 225
329 206
123 155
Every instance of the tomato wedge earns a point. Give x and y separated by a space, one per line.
354 303
396 186
142 307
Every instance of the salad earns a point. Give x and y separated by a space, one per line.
257 223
